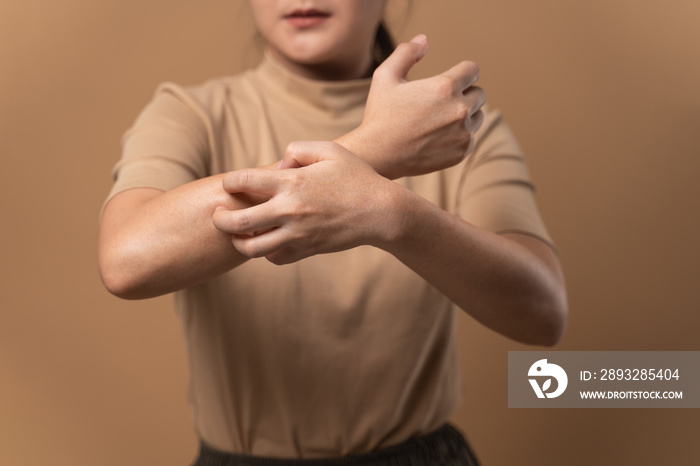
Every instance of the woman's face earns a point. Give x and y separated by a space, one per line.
320 39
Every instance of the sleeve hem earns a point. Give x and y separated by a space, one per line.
544 239
112 195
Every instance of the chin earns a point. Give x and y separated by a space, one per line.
307 54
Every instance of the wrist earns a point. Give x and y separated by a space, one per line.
358 142
393 217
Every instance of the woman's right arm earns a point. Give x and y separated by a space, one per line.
153 242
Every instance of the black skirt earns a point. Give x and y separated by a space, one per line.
444 447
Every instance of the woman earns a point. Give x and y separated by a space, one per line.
297 353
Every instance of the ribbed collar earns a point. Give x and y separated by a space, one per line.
326 97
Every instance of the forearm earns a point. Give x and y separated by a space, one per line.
368 147
514 289
154 242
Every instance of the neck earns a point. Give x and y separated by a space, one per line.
329 71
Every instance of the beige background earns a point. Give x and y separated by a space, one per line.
603 95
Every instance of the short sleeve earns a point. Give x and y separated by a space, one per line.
495 191
167 146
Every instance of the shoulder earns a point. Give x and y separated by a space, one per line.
495 138
205 98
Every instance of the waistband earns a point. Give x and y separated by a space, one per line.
444 447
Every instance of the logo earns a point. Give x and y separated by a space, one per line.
543 369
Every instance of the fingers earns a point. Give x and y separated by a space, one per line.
253 180
247 221
305 153
475 97
398 64
269 243
285 255
464 74
473 123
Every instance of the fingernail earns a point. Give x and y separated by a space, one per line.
420 39
280 164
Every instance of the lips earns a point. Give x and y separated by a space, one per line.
306 18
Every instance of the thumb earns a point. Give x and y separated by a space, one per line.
399 63
304 153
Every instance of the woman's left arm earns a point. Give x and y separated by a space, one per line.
511 283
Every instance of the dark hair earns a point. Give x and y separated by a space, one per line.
383 44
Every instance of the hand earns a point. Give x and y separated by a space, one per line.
413 128
335 201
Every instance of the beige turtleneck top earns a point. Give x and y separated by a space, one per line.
335 354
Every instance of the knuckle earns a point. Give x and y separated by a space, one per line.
462 110
279 258
241 222
292 148
444 86
473 101
275 260
380 73
294 183
242 178
230 181
251 248
472 68
256 250
242 246
404 48
297 211
478 95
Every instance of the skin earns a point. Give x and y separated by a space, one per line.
331 196
338 49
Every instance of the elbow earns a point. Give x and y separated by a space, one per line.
553 331
117 282
537 316
535 319
120 274
547 308
552 315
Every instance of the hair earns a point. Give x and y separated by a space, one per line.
384 44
